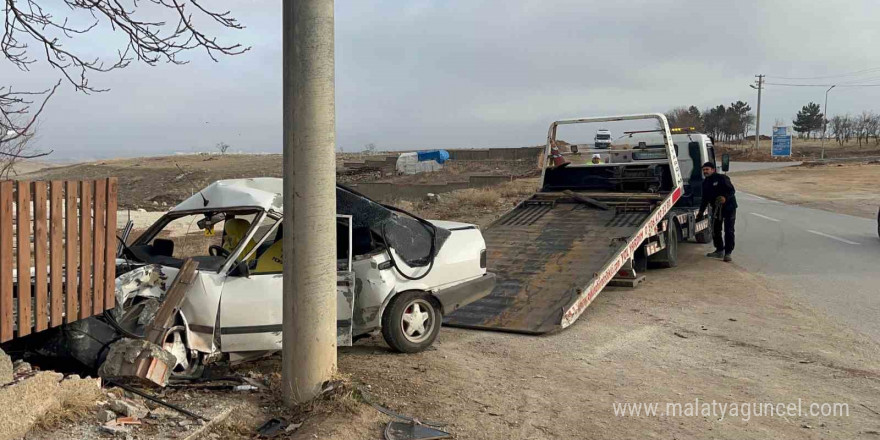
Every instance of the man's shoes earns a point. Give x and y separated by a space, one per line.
727 258
716 254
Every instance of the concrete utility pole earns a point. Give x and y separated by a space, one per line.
309 326
760 82
825 119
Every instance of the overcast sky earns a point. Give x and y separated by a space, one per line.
443 73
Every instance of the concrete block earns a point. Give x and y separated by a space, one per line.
26 401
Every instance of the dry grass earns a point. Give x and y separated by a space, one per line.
474 197
65 416
473 205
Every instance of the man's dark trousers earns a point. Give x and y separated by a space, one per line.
725 222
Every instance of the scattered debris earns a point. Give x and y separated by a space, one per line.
124 421
731 319
806 426
128 408
159 401
366 396
105 415
272 428
112 428
21 367
413 431
680 335
247 387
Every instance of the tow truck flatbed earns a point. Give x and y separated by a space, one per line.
554 252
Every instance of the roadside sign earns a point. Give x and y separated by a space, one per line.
781 142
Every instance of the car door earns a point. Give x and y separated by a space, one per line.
251 306
250 312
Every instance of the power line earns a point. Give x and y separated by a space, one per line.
821 85
858 72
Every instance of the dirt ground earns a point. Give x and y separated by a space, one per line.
678 337
850 188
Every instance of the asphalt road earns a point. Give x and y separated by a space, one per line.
830 260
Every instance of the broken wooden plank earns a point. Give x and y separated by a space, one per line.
171 304
41 243
6 283
23 254
56 253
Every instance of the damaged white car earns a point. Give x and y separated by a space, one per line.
396 272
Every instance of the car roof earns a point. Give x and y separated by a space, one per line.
260 192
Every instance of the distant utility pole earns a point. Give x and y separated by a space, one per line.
309 305
825 119
760 85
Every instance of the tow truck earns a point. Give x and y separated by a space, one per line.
591 225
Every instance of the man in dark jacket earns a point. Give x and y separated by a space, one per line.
718 190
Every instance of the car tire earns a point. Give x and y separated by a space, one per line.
411 322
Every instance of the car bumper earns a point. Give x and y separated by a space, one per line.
460 295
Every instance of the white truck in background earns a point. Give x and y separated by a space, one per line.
602 139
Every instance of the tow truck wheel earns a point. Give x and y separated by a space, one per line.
668 256
411 322
188 361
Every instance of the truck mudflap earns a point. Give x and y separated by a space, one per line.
551 258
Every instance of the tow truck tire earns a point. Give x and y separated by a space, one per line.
411 322
668 256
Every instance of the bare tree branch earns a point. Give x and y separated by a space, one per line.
148 41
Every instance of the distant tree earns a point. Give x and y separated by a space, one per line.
808 120
738 120
713 122
222 147
370 148
685 117
866 125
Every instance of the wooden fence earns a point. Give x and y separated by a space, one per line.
62 234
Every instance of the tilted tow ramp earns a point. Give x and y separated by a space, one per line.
553 253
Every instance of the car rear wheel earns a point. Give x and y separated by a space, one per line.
411 322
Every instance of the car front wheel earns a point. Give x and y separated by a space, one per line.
411 322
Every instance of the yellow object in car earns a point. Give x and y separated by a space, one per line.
234 231
271 261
